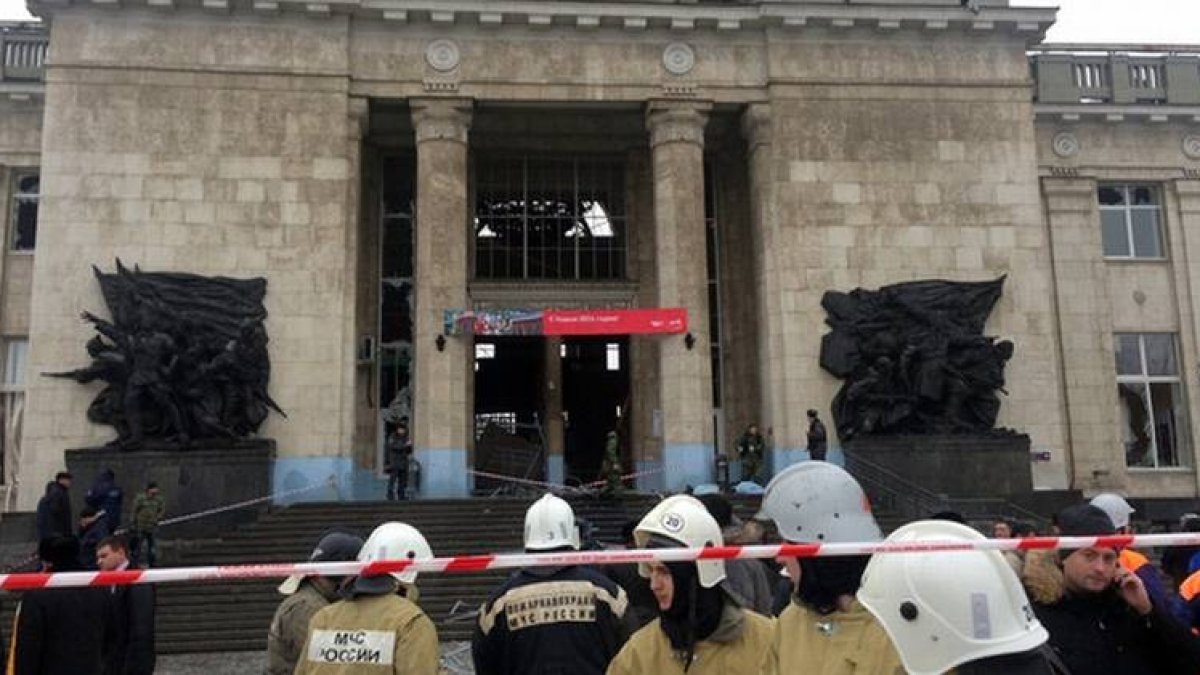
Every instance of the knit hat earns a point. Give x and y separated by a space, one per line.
1083 520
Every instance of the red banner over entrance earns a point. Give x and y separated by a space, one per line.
614 321
656 321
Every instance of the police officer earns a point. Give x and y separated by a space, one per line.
701 629
824 629
551 619
965 611
304 597
378 629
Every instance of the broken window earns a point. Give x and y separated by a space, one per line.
1150 400
1131 221
26 192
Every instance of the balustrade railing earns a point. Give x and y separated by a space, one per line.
1132 76
22 53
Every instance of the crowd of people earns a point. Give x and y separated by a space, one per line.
1091 611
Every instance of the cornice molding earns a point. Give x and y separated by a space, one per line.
1030 23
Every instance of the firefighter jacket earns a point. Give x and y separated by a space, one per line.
370 635
841 643
289 628
551 620
738 646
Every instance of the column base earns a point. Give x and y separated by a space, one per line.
650 477
782 458
443 473
555 471
687 464
330 477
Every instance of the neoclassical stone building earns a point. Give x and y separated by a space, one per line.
383 162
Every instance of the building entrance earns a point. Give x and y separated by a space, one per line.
544 407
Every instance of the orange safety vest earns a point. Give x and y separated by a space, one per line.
1190 588
1133 561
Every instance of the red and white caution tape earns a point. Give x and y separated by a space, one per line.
479 563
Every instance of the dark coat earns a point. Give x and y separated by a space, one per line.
1099 634
106 496
131 651
551 621
54 512
62 631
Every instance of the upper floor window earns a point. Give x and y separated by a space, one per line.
1131 221
551 218
1151 405
26 193
16 351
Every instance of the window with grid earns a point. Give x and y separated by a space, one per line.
26 194
1131 221
16 351
1152 411
550 218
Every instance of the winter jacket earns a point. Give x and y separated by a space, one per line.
748 580
105 495
1099 634
1159 594
147 511
643 608
131 651
54 512
842 643
551 621
61 631
370 635
1189 592
289 628
739 646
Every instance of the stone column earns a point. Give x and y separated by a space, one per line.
553 406
1085 335
1187 274
787 440
684 374
442 415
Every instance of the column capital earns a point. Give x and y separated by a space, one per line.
756 125
676 121
1188 190
441 119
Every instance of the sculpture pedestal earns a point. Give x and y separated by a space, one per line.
190 480
983 465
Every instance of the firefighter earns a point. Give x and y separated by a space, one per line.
701 629
551 619
961 610
378 628
824 629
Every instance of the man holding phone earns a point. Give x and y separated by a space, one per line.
1100 617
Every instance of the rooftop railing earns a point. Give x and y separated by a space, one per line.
1119 74
22 52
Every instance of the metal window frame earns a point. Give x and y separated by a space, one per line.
16 198
1127 210
1145 378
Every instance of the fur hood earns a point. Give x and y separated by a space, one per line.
1043 577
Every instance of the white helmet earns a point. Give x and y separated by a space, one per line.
683 519
944 609
550 524
1115 506
819 502
392 541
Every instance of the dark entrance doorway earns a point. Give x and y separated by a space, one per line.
595 387
509 408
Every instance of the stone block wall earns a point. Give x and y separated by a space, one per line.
897 174
1098 297
196 144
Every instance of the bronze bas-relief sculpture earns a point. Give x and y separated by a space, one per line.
184 359
914 358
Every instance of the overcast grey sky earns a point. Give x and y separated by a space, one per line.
1127 21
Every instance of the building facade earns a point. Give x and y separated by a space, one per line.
383 163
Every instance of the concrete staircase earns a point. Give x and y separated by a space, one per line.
234 616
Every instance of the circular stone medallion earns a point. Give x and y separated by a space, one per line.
442 55
678 58
1191 146
1066 145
